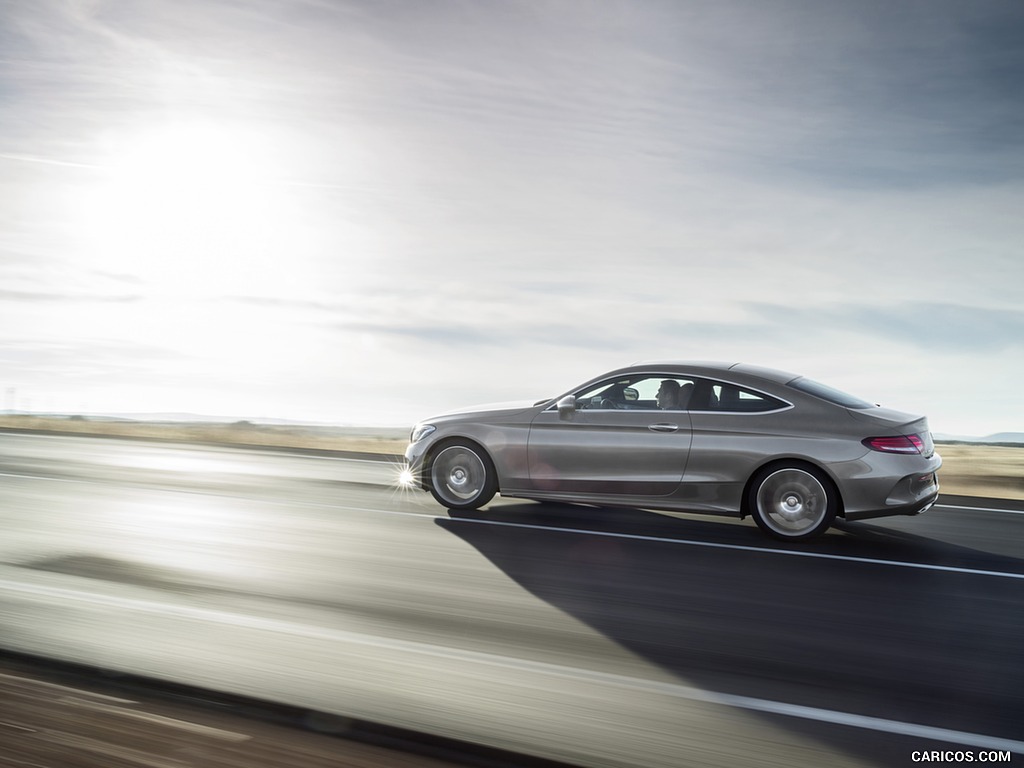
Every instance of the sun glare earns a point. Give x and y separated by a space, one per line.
190 208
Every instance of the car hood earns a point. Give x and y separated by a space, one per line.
505 409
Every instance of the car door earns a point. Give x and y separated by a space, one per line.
734 428
627 446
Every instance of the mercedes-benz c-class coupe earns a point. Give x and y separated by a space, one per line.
723 439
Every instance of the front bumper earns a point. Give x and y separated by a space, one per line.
415 454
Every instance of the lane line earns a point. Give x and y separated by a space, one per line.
981 509
1001 510
149 717
55 479
674 690
16 727
27 682
695 543
606 534
381 463
930 733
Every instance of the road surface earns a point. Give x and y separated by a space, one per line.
597 637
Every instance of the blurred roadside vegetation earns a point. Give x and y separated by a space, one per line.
388 441
968 469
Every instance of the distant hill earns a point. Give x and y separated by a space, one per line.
999 437
1005 437
199 418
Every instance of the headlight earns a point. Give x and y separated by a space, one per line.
420 431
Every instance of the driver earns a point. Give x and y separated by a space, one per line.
668 395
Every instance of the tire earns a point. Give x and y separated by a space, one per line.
462 476
792 503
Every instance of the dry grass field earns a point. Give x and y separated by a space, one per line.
993 471
242 433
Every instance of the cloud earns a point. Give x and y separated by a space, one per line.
33 296
919 325
488 185
862 96
39 360
469 337
276 303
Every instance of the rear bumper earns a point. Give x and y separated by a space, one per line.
912 495
916 508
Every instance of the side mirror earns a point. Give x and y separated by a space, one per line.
631 394
567 407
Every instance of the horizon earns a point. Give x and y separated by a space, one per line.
1002 437
351 213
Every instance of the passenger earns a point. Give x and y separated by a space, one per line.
668 395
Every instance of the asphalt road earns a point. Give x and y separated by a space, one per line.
598 637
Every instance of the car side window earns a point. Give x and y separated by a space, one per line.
735 399
649 392
604 396
665 392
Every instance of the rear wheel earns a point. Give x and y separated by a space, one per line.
462 476
792 503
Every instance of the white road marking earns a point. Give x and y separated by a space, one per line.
149 717
695 543
606 534
981 509
27 682
675 690
44 477
16 727
931 734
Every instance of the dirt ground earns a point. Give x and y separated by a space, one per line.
993 471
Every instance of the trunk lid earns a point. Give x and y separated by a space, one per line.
885 421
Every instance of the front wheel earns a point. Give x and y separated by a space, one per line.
462 477
792 503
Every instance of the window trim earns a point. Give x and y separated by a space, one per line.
787 405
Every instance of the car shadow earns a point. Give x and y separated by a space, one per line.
715 604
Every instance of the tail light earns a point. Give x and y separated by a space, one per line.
895 444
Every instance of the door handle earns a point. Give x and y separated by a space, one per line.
663 427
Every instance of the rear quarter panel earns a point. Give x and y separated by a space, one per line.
728 448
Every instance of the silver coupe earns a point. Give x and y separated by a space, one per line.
722 439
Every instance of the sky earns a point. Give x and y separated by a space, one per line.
369 212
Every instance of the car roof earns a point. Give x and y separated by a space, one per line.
710 368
